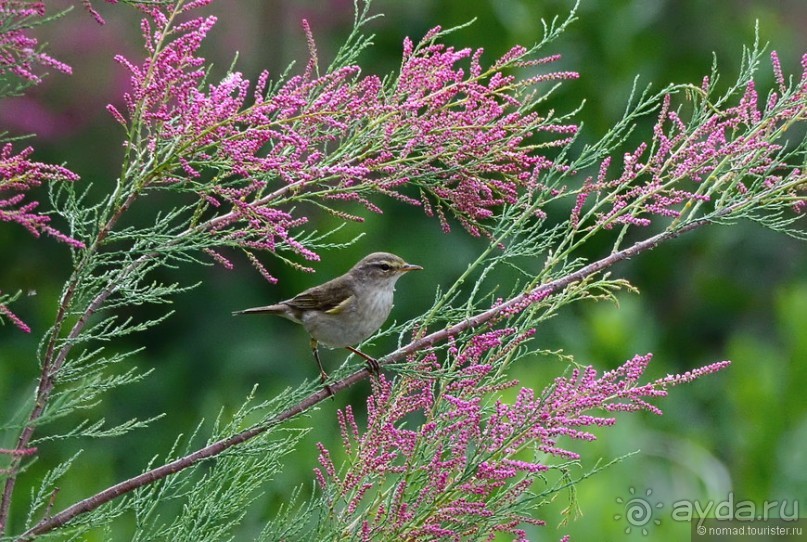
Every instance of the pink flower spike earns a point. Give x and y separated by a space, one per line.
19 174
777 72
22 326
20 52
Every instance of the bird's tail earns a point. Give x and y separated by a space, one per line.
268 309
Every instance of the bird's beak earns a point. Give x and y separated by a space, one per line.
410 267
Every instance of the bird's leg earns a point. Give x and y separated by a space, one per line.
322 374
372 363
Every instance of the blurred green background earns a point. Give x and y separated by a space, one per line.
736 293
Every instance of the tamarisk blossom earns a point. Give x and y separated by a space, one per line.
465 468
450 135
19 55
13 318
18 174
19 52
733 147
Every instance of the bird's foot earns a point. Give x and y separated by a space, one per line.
372 363
322 374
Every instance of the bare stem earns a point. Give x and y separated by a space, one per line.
91 503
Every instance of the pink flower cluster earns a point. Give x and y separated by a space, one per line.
457 141
19 174
19 52
13 318
736 141
451 458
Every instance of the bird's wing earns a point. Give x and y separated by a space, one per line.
332 297
341 306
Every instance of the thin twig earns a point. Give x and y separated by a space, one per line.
91 503
51 501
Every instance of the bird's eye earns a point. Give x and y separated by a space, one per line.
384 266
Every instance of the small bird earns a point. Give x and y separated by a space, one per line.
346 310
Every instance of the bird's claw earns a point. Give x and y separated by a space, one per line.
372 363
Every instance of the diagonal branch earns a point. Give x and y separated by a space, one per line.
55 358
91 503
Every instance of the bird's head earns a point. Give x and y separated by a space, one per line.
381 268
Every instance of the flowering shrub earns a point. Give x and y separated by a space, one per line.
459 474
736 139
453 447
448 138
18 50
19 58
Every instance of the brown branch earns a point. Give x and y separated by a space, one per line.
18 451
53 360
91 503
